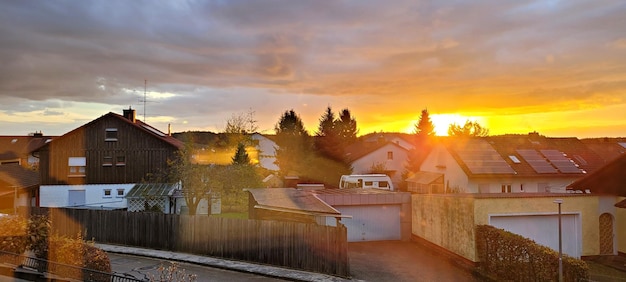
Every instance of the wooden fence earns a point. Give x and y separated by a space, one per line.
310 247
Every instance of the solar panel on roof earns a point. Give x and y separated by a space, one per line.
481 158
536 161
561 162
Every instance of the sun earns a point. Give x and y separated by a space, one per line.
443 121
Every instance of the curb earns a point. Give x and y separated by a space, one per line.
241 266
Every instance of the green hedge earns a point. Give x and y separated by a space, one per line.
511 257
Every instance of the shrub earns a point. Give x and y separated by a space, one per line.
78 253
511 257
38 233
13 234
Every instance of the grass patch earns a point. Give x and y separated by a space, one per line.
240 215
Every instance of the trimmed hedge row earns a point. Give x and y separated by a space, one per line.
507 256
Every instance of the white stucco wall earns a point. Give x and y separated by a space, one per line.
441 161
267 152
58 195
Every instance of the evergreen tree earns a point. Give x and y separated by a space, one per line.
424 128
347 128
241 156
423 135
327 141
293 144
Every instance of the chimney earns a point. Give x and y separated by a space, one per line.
169 129
130 114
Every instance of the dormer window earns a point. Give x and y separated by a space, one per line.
110 134
514 159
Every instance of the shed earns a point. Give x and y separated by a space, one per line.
289 204
151 197
425 182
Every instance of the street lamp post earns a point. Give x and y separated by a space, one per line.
559 202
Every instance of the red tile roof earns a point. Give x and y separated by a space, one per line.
608 180
13 147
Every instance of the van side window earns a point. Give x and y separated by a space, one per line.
383 184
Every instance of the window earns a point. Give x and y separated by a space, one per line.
369 183
514 159
390 155
120 193
77 166
107 161
506 188
120 161
383 184
110 134
107 193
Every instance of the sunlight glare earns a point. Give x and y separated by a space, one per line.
443 121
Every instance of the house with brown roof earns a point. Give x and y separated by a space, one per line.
525 184
96 165
21 149
510 163
18 186
609 183
378 157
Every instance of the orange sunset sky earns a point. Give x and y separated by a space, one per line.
555 67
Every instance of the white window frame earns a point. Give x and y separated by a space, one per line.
507 188
117 195
76 166
106 133
109 191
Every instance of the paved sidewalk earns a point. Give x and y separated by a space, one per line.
265 270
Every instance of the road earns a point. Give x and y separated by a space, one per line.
401 261
146 268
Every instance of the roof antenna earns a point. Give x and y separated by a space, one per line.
145 84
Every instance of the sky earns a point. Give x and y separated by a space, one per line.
554 67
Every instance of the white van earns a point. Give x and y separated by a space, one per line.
366 181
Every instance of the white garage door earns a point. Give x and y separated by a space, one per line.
371 223
544 230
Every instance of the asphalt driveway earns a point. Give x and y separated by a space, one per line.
401 261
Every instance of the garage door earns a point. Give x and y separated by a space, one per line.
544 230
371 223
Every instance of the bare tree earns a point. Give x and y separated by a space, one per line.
469 129
241 123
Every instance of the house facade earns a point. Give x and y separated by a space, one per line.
388 157
510 164
101 160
